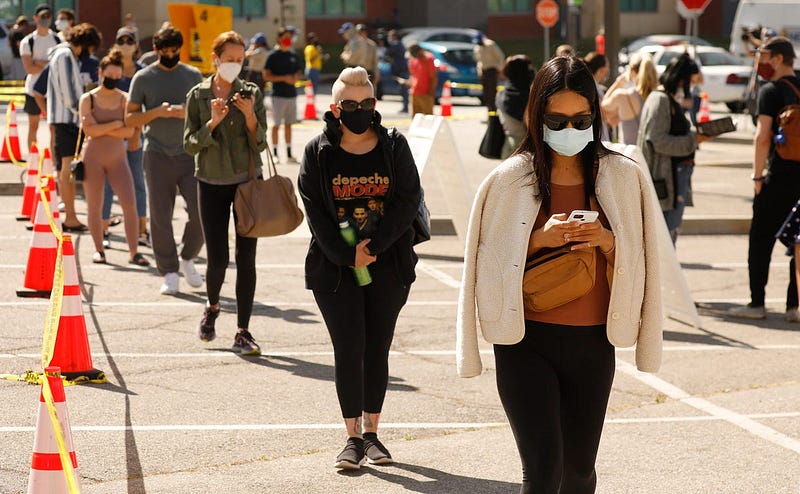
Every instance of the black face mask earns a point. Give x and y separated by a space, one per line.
357 121
169 62
110 83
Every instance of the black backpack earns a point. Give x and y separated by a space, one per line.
30 42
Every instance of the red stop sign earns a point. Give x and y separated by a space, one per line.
547 13
693 6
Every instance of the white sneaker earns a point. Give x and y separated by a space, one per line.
170 286
748 312
193 278
793 315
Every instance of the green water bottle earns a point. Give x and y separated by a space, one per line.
362 275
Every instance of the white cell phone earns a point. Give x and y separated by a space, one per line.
583 216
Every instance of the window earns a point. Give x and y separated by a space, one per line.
638 5
11 9
241 8
335 8
509 6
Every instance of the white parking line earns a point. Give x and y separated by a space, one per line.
706 406
397 425
438 275
394 353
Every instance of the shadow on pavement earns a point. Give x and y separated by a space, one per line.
313 370
435 481
298 316
439 257
774 321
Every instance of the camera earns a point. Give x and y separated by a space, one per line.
245 93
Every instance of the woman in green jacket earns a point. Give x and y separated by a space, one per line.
225 128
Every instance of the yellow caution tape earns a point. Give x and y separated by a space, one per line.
8 142
66 461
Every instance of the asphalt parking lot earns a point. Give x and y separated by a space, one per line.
181 416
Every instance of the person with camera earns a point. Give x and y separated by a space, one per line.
225 130
156 104
554 340
360 317
102 113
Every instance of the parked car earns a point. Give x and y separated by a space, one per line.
658 39
437 34
455 63
725 76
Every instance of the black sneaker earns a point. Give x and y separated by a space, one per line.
376 452
205 331
244 344
352 456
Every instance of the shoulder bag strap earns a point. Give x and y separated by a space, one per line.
794 88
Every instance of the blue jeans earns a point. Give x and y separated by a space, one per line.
682 177
313 76
135 164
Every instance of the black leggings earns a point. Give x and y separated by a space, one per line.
554 386
215 213
361 323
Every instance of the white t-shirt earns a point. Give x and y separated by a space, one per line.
41 47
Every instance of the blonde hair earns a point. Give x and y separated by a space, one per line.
350 77
646 76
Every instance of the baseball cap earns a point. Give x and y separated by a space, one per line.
345 27
126 31
259 38
779 45
41 7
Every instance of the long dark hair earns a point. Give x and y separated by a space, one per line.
556 75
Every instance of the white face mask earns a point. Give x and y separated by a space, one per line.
229 71
62 24
127 50
568 141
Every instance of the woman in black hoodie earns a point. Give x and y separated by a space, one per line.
357 175
511 102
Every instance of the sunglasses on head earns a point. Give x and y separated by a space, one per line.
559 122
351 105
126 41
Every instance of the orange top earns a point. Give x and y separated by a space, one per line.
592 308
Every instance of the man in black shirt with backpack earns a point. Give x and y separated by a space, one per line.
776 172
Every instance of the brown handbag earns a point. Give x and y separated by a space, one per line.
558 277
266 208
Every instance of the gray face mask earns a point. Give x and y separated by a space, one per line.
43 22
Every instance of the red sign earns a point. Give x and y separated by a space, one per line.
547 13
692 8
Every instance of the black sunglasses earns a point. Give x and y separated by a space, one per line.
126 41
559 122
350 105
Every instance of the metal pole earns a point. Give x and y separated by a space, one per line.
611 21
546 45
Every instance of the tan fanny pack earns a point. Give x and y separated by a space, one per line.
557 278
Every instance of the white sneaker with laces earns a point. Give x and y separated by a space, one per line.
193 278
170 286
748 312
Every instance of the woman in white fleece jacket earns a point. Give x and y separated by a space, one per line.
555 368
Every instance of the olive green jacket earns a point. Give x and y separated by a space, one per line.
223 156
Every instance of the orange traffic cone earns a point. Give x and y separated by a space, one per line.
703 115
12 138
311 109
72 352
446 100
49 182
41 256
47 163
30 185
47 474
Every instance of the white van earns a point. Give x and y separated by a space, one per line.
782 16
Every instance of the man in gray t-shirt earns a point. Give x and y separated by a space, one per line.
156 102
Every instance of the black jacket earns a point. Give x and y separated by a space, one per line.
329 257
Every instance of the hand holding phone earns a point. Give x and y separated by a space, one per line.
583 216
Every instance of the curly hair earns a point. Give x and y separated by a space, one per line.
85 35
